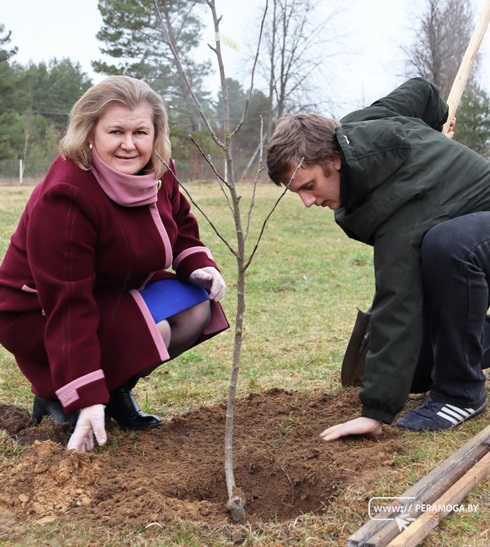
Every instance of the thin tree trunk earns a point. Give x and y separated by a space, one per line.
236 499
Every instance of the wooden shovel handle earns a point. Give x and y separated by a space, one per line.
465 68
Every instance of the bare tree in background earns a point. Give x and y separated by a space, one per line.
442 31
296 44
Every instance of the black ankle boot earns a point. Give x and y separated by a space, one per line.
52 408
123 408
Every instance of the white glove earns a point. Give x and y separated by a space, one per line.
209 278
91 421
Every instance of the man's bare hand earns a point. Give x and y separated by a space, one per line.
357 426
450 129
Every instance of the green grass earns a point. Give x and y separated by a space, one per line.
303 288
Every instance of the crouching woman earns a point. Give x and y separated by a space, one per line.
88 304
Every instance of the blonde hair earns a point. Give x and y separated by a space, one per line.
87 111
307 136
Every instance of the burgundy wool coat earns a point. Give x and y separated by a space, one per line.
70 310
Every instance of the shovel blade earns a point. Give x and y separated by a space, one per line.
353 364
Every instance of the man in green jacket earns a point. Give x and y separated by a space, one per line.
391 176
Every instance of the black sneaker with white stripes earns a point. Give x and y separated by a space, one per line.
435 416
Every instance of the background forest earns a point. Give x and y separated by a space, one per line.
296 56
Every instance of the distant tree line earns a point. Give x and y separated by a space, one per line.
291 63
34 104
35 100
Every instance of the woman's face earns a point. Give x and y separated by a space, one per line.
124 138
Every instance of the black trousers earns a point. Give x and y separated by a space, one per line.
456 279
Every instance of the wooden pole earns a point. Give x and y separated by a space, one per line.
466 64
420 528
378 533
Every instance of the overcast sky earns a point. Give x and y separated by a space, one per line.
373 32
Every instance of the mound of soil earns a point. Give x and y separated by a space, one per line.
176 471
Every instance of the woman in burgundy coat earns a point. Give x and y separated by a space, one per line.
87 302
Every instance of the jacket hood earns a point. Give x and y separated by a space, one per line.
371 152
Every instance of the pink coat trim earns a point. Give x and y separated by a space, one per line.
68 394
161 348
26 288
190 251
163 233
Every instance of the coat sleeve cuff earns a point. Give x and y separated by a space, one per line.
191 259
377 414
85 391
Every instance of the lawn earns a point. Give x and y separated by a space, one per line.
303 289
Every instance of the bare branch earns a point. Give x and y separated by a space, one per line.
191 199
221 180
249 261
210 162
254 68
252 202
184 76
221 67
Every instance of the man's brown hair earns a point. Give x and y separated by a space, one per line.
296 136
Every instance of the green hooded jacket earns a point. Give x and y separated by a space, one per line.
399 177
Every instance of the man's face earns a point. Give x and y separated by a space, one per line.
315 187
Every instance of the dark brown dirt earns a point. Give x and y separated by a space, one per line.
176 471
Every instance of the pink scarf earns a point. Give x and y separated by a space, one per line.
126 190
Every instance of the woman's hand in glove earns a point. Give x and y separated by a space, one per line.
209 278
91 421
